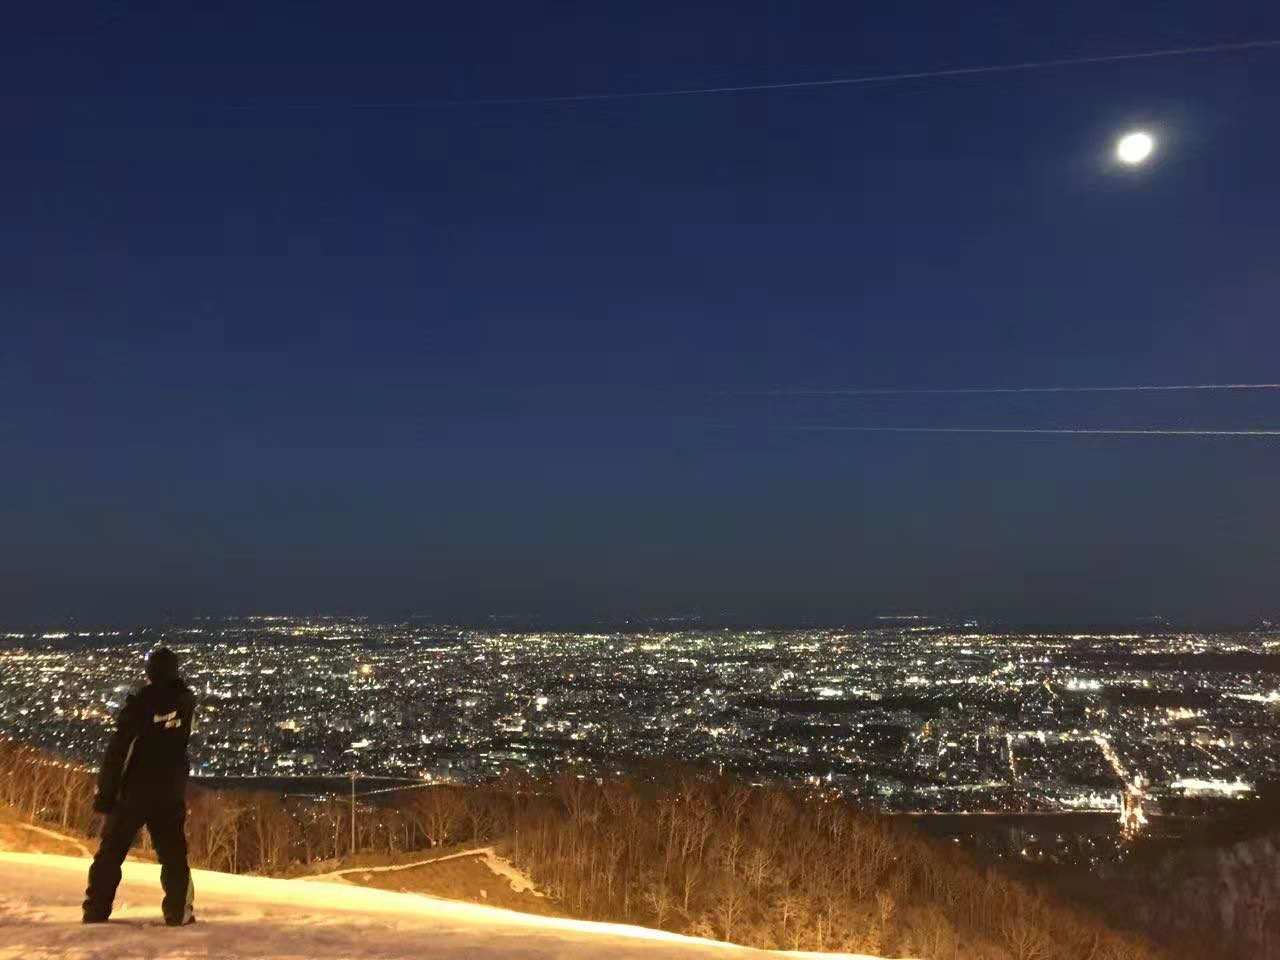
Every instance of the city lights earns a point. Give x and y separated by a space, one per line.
918 717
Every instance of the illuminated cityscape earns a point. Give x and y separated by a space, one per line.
906 715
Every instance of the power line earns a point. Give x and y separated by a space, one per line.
925 391
879 78
1050 431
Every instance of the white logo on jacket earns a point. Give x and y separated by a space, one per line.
170 720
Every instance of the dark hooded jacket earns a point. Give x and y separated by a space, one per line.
146 760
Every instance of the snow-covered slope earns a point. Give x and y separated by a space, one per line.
266 919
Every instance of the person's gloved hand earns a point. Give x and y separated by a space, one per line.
102 805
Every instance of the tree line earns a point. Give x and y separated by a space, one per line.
766 866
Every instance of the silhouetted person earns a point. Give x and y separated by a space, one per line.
143 782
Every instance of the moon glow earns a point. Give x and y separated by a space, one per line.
1135 148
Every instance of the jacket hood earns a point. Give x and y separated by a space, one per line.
162 666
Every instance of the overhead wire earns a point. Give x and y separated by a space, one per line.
927 391
765 86
1050 431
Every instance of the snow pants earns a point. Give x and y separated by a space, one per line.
166 823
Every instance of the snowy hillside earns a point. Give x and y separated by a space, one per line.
266 919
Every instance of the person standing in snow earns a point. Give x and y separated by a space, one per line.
143 783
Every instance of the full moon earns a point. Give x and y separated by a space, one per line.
1134 148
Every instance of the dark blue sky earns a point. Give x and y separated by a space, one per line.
271 342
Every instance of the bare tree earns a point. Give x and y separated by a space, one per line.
73 788
756 868
658 898
730 903
440 811
788 915
731 845
1024 938
690 874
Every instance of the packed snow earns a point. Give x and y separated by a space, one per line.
269 919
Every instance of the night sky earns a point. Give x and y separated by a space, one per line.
288 328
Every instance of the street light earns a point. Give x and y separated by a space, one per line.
353 775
